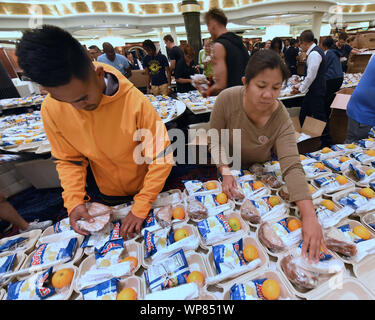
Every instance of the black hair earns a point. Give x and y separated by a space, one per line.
94 47
149 45
275 41
262 60
217 15
168 37
343 36
50 56
316 41
307 36
329 43
293 42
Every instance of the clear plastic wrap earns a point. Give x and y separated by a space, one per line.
101 215
196 210
269 238
250 213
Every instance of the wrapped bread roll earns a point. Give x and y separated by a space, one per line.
269 238
250 213
196 210
272 181
336 241
257 169
101 214
164 216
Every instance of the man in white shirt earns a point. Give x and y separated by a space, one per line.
314 84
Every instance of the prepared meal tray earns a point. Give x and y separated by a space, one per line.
351 241
273 180
364 272
316 170
159 244
229 259
51 251
220 228
118 259
199 188
362 200
262 285
346 148
368 143
361 175
278 236
200 207
349 288
179 276
54 283
305 277
369 220
257 210
332 183
24 242
172 196
324 154
365 157
339 164
130 288
8 264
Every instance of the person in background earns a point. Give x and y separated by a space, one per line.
95 52
135 64
314 84
345 50
334 79
115 60
276 45
290 57
157 69
92 116
286 46
205 61
229 55
361 106
10 214
175 53
266 127
267 45
184 69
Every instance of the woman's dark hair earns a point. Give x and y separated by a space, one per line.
262 60
148 44
276 42
343 36
189 50
51 57
329 43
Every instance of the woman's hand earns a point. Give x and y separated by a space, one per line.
229 186
312 234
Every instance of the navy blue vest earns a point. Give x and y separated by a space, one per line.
318 87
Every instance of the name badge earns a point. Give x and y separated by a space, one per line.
263 139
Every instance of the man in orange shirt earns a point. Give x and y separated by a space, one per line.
93 115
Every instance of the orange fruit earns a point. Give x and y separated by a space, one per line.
326 150
341 180
180 234
257 185
351 146
344 159
274 201
271 289
222 198
367 192
133 261
197 277
311 188
178 213
62 278
211 185
362 232
370 171
294 224
250 253
127 294
235 224
319 165
370 152
302 157
328 204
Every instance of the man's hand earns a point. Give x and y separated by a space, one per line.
295 90
313 239
229 186
130 224
78 213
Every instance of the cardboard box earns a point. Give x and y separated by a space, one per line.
365 40
311 127
40 173
139 78
358 62
339 120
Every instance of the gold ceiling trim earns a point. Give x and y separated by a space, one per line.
99 6
214 4
17 8
80 7
116 7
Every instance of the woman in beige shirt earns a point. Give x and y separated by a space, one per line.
265 126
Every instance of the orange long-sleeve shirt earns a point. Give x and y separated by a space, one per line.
105 137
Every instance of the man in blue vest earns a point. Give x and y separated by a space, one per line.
314 84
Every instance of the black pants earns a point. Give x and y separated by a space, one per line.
313 106
356 131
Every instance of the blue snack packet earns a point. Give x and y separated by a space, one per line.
228 256
157 240
349 233
11 243
213 225
358 173
7 262
106 290
353 200
34 288
62 225
109 247
251 290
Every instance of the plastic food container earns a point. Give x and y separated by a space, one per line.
247 240
368 219
20 258
242 232
173 196
192 230
262 192
286 292
3 294
218 189
281 253
49 239
326 171
348 186
350 289
28 246
364 271
339 195
351 175
132 249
